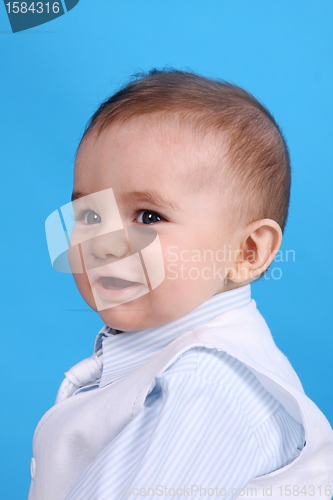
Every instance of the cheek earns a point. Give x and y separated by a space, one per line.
83 285
194 267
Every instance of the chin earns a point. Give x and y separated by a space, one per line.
127 317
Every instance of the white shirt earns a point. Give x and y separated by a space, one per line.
207 421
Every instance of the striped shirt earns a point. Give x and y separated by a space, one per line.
207 428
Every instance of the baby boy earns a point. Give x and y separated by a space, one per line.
181 194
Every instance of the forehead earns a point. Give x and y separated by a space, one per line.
144 151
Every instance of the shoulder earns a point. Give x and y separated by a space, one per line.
209 378
227 375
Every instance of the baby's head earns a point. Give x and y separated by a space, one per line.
204 164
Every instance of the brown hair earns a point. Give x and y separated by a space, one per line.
256 150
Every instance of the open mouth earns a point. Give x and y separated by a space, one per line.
110 291
111 283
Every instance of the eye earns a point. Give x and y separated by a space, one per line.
148 217
91 217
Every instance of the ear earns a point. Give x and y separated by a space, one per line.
257 246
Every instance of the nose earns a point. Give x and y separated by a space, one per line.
109 245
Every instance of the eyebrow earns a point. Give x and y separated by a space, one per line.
139 196
76 195
150 197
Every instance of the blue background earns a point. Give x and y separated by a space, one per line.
53 78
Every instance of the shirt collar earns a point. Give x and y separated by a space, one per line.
123 352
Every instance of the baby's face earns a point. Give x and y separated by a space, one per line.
150 172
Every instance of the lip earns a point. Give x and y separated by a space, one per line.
133 275
119 294
109 285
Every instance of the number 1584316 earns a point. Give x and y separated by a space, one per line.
33 7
